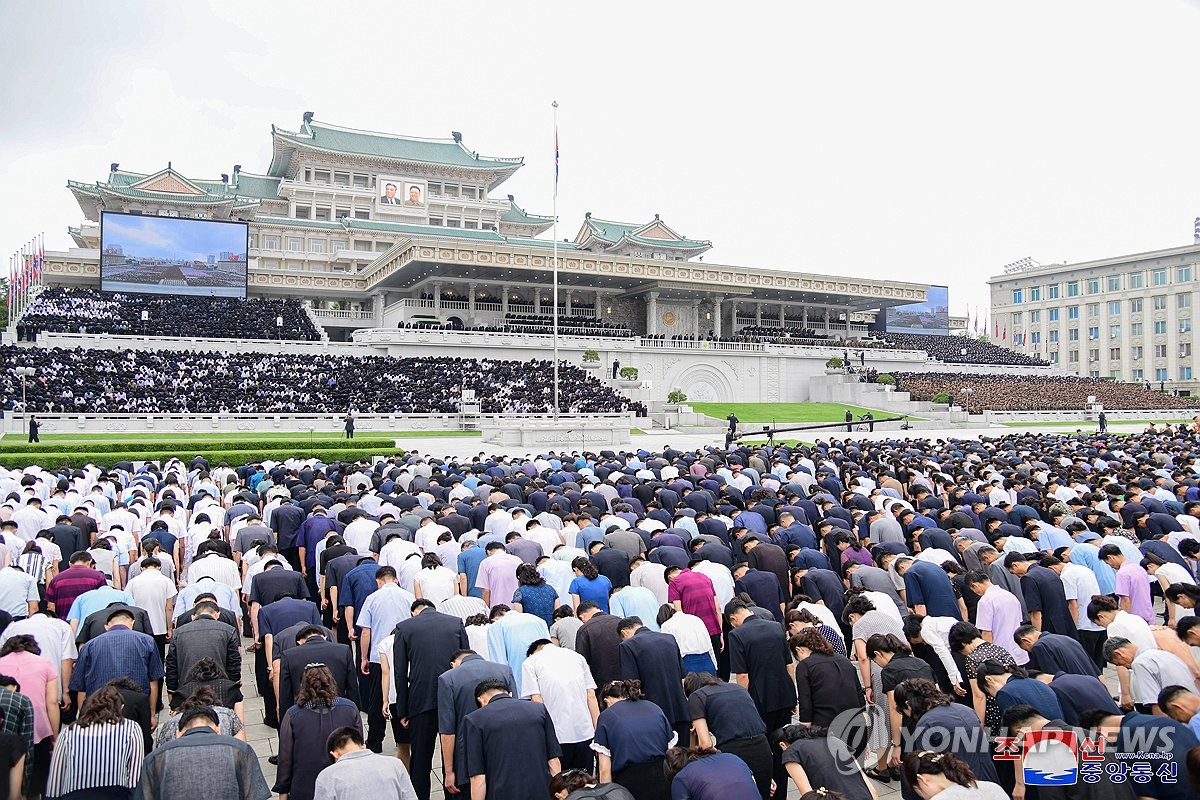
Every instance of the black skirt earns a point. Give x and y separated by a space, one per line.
645 781
756 752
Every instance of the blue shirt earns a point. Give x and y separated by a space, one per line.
929 585
632 732
636 601
468 563
382 611
103 597
117 653
1032 692
537 600
357 586
510 636
227 597
596 590
722 775
1088 555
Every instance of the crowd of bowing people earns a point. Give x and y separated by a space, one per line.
721 623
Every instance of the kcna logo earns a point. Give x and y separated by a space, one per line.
1051 757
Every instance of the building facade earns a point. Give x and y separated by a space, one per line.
1127 318
377 230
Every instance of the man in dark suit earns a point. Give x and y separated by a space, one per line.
204 637
598 642
94 624
456 699
510 745
68 537
314 648
758 661
653 658
424 645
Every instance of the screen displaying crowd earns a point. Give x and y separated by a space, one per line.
154 381
704 624
83 310
1037 392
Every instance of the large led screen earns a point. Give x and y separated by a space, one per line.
932 316
169 255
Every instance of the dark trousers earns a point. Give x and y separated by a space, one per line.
757 754
775 720
41 766
423 729
722 655
311 581
579 755
376 724
1093 642
292 554
262 680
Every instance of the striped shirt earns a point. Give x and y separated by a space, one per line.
102 755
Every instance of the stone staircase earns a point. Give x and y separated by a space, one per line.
847 389
316 323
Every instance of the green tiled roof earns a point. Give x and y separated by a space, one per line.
256 186
611 232
520 216
430 151
680 243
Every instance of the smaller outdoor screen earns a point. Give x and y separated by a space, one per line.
932 316
169 255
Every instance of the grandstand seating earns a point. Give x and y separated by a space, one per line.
156 381
1036 392
76 310
948 349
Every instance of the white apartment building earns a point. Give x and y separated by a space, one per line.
1127 318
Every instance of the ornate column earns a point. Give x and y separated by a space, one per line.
537 301
717 315
377 308
599 304
504 298
696 318
805 315
651 313
471 288
758 313
782 316
437 298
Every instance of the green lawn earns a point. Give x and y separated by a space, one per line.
786 412
203 438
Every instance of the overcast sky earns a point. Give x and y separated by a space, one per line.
924 141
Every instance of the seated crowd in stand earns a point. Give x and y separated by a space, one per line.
79 310
544 324
154 381
1036 392
758 599
949 349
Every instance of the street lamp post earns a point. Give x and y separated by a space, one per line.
279 328
145 316
967 391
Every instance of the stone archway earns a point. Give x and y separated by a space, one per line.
702 383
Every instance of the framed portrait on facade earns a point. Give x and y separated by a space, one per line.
398 195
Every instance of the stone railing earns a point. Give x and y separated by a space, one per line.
300 424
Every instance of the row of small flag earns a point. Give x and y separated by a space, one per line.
25 269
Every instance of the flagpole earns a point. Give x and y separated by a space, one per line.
554 234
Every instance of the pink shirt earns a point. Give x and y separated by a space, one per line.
498 574
697 596
1134 582
999 611
32 674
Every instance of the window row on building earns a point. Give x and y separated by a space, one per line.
1129 281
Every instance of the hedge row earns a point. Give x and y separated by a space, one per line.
51 460
183 445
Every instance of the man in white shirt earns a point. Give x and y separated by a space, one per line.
154 593
216 566
561 680
558 574
721 577
358 534
18 593
648 575
30 519
427 534
547 538
56 641
1080 586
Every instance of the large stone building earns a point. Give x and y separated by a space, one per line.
378 230
1128 318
